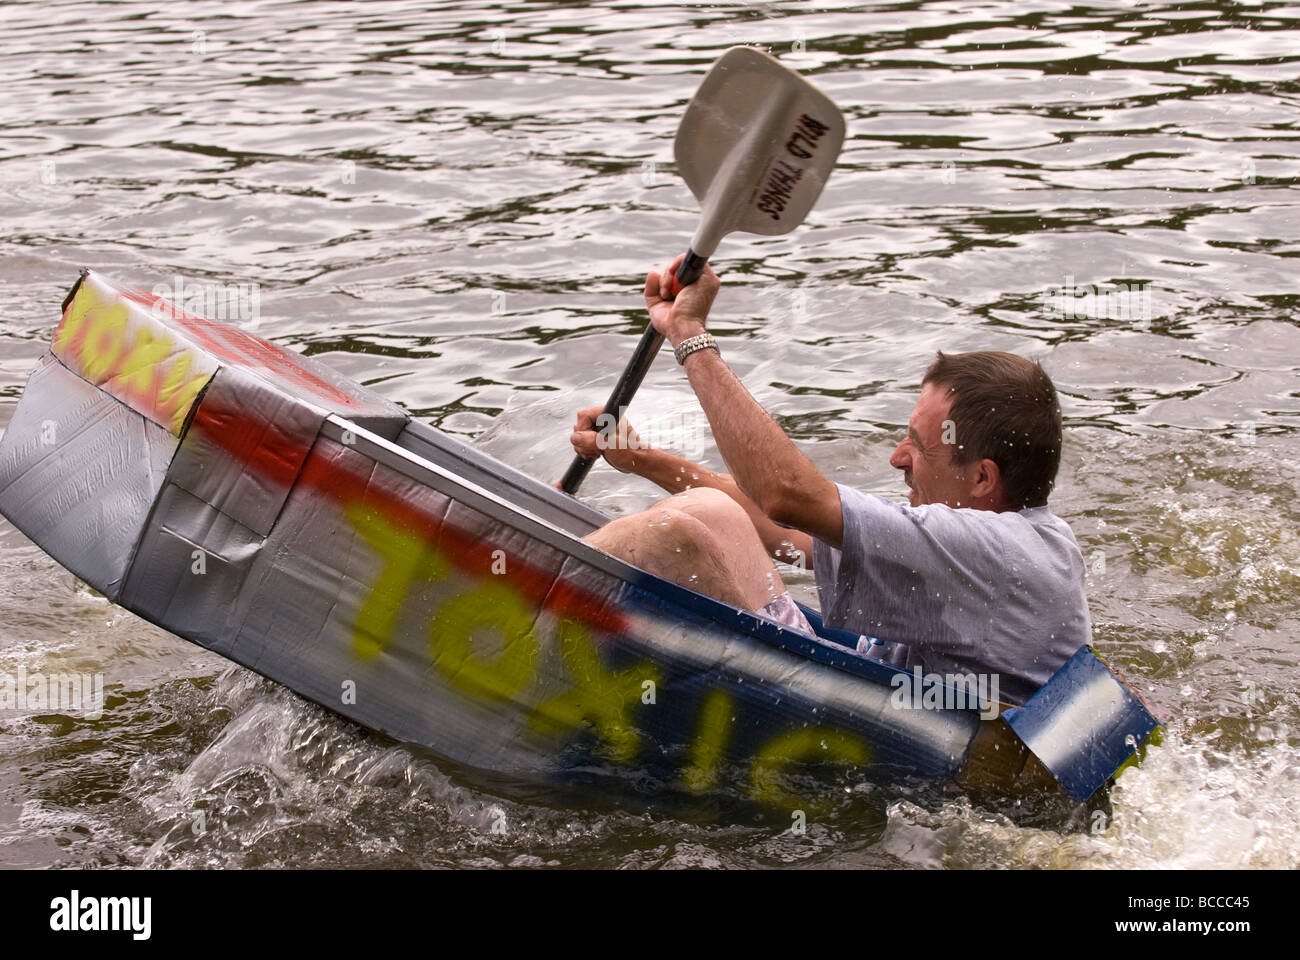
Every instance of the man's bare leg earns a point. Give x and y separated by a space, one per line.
700 539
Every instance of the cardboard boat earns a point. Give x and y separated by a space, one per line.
256 502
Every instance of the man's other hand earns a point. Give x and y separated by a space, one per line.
595 435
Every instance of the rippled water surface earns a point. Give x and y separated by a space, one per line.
454 203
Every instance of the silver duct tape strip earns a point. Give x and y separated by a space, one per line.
241 418
514 486
79 473
190 568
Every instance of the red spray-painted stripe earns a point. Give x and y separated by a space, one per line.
276 457
471 554
260 447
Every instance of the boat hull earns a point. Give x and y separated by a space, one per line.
256 503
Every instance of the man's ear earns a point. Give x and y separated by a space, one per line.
987 480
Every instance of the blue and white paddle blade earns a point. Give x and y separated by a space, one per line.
1083 724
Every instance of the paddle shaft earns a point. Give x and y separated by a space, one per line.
646 351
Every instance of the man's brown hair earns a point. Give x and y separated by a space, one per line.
1004 408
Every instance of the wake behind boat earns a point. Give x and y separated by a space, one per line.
261 505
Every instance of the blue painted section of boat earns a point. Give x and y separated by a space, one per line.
1083 724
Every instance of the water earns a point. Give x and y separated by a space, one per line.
455 205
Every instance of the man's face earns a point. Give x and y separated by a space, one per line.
924 456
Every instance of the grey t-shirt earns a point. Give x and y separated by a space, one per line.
957 591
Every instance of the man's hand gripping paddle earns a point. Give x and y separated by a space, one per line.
755 146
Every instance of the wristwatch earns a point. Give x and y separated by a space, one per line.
701 341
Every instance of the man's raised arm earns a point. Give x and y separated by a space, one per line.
765 465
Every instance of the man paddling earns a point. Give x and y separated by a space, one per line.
976 575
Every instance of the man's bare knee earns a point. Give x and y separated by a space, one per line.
675 545
738 538
656 525
707 503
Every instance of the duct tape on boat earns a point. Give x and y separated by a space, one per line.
1083 724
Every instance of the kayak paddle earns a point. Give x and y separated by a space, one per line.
755 146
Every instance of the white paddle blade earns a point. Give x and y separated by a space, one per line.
755 146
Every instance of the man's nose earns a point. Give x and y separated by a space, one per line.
900 458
